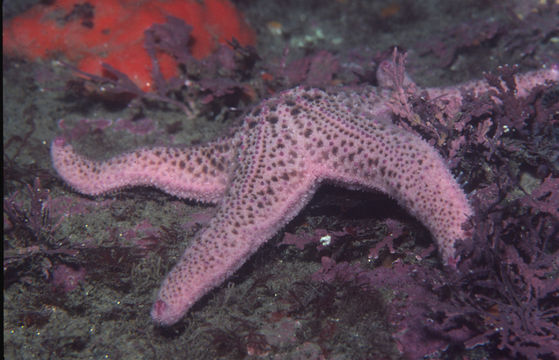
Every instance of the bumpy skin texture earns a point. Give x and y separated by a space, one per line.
267 172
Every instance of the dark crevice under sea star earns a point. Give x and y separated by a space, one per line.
265 174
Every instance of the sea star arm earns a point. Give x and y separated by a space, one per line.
525 83
199 173
354 144
391 76
265 193
408 169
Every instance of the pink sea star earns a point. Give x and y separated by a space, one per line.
262 177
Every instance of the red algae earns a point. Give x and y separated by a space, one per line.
112 31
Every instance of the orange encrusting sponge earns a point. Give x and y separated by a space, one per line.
114 34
